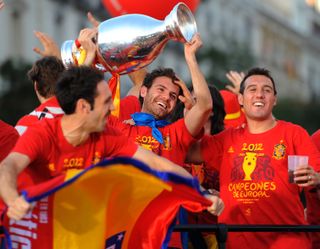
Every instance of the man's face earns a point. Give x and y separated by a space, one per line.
258 98
103 105
161 98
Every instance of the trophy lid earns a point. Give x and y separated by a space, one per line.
182 23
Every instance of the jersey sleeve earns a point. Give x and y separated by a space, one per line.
8 138
22 124
32 143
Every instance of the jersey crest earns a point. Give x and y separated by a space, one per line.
279 151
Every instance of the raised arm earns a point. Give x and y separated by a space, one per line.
199 113
10 168
137 78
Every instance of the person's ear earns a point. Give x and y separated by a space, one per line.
83 106
240 99
35 86
275 101
143 91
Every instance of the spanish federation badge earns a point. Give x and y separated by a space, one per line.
279 151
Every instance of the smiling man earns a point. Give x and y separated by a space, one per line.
252 161
159 93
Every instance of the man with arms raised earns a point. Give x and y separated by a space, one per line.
159 93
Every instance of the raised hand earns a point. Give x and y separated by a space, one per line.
86 39
187 98
190 48
235 78
50 47
95 23
1 4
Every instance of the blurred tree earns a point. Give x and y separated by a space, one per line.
305 114
20 99
237 57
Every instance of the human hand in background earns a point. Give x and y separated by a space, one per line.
1 4
235 79
95 23
187 98
50 47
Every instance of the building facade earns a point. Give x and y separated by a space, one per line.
283 36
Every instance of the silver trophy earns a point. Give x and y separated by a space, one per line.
130 42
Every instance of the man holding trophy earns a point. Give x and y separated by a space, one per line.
159 93
161 105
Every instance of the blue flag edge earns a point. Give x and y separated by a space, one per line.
164 175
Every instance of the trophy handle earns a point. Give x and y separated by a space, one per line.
71 55
67 53
181 24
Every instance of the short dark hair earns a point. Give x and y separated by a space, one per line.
219 113
45 72
257 71
149 78
77 83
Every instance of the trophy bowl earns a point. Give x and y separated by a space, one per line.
130 42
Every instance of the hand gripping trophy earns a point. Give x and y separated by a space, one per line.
130 42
